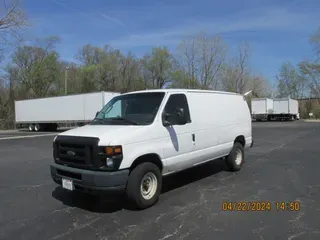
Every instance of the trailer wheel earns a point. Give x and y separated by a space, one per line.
37 127
31 127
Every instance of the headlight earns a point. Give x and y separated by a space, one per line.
109 162
111 157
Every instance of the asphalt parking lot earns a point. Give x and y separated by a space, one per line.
283 166
14 134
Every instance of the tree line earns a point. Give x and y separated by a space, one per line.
201 61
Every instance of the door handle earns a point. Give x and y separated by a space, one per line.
193 137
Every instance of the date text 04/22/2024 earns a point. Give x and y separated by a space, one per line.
255 206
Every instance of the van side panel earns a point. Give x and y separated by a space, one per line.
217 119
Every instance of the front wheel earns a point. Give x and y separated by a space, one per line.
144 185
235 158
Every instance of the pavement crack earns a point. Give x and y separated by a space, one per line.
172 234
295 235
76 227
299 216
28 187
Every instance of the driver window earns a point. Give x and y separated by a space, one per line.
177 101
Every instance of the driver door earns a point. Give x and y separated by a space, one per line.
178 141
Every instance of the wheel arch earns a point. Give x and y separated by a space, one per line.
149 157
240 139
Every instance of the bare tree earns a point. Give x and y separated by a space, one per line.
236 73
315 42
243 71
260 86
201 57
311 72
11 20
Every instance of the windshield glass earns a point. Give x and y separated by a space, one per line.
131 109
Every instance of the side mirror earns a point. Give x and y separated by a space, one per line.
165 119
178 118
97 113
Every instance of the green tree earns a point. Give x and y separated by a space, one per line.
290 82
87 76
35 69
157 67
130 73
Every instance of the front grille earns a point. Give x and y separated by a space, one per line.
78 152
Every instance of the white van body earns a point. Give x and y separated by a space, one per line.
216 121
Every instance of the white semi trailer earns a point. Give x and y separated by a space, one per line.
274 109
261 108
48 113
285 109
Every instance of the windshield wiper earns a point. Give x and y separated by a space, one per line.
97 120
125 119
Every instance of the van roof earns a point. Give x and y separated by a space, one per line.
183 90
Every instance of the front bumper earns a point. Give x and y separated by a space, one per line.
92 182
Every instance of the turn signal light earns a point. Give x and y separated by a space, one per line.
116 150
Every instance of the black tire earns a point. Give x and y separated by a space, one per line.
133 191
231 158
37 127
31 127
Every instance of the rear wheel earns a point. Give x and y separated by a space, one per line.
235 158
37 127
31 127
144 185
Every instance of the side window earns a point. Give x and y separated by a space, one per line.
178 101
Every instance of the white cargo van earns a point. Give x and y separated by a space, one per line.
139 137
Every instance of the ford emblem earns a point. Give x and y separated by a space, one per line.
71 153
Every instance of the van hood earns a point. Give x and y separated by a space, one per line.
106 133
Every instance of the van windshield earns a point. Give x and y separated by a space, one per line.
131 109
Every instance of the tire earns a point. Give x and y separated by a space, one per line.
232 162
31 127
134 191
37 127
